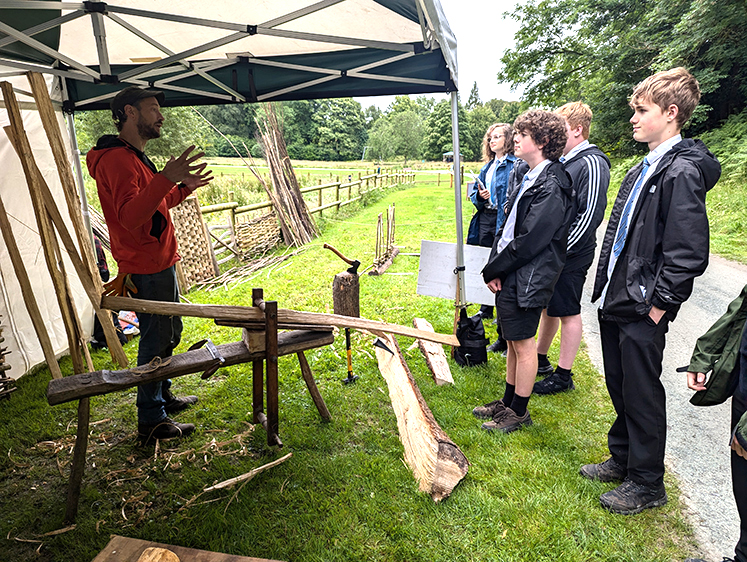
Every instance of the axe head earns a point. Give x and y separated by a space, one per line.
354 267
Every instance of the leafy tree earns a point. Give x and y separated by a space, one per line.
401 104
182 127
340 128
372 114
511 110
438 137
480 118
495 105
474 98
381 140
407 127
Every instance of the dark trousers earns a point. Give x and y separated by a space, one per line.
632 354
739 478
159 335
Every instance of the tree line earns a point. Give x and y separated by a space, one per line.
328 129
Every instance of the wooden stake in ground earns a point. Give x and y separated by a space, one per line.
436 462
434 355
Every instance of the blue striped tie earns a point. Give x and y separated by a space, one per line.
622 231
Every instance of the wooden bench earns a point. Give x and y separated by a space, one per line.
261 345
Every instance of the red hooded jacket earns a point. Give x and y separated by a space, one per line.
135 200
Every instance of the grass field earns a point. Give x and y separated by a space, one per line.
345 494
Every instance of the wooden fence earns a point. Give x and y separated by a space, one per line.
328 196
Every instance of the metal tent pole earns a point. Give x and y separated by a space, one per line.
461 300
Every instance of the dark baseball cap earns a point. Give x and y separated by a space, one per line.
130 96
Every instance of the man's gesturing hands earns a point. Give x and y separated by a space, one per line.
182 170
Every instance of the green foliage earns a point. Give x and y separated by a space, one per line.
400 133
474 98
598 50
480 118
438 137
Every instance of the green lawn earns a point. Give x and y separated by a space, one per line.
345 494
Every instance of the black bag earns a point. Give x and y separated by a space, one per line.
472 348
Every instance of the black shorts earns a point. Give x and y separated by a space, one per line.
516 323
566 298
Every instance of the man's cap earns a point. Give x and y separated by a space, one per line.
130 96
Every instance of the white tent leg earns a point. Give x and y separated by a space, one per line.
70 118
461 300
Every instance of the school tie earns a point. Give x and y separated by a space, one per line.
622 232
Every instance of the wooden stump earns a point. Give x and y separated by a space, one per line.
434 355
346 294
436 462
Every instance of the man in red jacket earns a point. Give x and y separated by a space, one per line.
136 199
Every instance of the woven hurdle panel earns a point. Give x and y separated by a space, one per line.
258 235
198 261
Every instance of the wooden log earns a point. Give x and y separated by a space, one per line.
436 462
78 465
285 316
157 554
382 267
346 294
197 361
91 275
434 355
316 396
28 294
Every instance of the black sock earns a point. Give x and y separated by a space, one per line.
542 361
519 404
508 396
565 374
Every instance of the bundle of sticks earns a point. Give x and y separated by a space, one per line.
296 223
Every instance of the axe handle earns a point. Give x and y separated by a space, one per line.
339 254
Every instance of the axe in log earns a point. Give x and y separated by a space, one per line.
345 295
354 264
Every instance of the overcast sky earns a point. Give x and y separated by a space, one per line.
482 37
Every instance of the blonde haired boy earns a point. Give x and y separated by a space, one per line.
589 169
655 245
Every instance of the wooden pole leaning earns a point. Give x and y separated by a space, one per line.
49 121
53 257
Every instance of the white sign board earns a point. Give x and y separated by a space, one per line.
436 277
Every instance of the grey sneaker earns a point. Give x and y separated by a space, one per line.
553 384
630 498
507 421
489 410
607 471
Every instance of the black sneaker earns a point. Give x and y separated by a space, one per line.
507 421
489 410
498 346
553 384
607 471
165 429
630 498
544 370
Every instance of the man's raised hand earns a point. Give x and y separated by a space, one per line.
183 170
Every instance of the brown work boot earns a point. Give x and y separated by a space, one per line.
165 429
607 471
176 405
489 410
507 421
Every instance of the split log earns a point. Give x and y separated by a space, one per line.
434 355
248 314
346 294
436 462
197 361
379 269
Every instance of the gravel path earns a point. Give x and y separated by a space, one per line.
697 438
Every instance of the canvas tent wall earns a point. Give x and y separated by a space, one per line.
233 51
20 336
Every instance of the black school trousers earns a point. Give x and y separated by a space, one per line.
632 354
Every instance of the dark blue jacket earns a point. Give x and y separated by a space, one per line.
498 188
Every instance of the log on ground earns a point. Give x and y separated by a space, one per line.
436 462
434 354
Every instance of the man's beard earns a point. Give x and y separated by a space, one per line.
147 131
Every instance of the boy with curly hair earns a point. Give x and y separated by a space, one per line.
526 259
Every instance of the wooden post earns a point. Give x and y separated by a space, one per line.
337 193
28 294
79 460
271 352
51 127
258 400
232 219
316 396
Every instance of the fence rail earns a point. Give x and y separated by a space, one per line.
337 194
